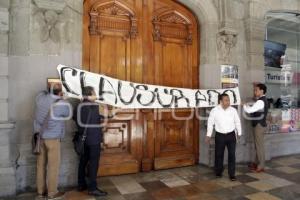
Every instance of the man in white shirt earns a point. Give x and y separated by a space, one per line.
258 111
226 121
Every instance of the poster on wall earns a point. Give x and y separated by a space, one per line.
52 81
229 76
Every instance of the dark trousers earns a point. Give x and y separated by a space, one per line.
222 141
91 158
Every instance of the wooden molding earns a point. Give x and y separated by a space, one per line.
172 24
112 16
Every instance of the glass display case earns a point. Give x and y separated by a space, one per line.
282 75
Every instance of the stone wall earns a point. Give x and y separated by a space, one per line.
7 169
35 46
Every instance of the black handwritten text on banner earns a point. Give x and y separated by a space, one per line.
126 94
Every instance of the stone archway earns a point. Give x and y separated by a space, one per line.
69 51
207 14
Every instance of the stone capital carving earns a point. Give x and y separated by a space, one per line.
52 19
4 20
225 17
48 21
226 41
227 35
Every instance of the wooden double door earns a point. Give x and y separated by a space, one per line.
152 42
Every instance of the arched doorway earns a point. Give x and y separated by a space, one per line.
154 42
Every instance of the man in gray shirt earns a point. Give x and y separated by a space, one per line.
50 114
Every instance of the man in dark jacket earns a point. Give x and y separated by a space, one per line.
89 120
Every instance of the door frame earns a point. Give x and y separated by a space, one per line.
147 162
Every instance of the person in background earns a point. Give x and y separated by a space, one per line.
50 114
226 121
258 111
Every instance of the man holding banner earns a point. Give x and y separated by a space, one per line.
258 111
89 122
130 95
50 114
226 121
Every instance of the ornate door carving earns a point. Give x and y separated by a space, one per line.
110 33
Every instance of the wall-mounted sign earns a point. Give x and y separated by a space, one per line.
229 76
52 81
278 77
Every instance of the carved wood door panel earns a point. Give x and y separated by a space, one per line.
147 41
121 149
176 64
109 37
174 140
110 45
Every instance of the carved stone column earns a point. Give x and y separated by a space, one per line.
7 169
19 27
255 35
255 26
227 35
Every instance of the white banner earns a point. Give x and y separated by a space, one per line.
126 94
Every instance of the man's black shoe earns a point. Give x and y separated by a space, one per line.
98 193
218 175
81 188
233 178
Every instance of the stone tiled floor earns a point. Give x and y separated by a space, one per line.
280 181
